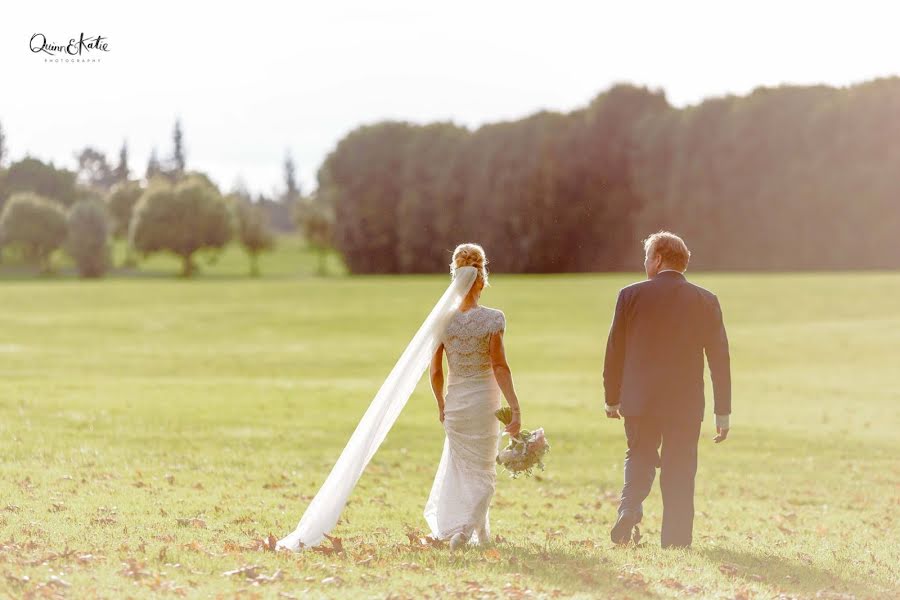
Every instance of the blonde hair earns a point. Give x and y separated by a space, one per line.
670 247
470 255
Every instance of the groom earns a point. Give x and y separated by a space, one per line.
653 377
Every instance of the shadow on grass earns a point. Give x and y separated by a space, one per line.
572 568
784 573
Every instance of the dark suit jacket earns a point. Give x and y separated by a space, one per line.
654 356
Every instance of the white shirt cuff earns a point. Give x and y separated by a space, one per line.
611 408
723 421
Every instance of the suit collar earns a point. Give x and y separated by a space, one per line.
670 275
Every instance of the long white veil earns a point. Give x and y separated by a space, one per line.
325 509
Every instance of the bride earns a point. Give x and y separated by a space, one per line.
472 337
461 494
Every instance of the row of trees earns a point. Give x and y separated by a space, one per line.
44 208
784 178
37 227
182 218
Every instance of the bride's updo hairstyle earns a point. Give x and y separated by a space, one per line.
470 255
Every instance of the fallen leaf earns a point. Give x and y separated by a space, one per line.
673 584
270 543
246 570
743 594
633 580
192 522
728 569
492 555
337 544
134 569
264 579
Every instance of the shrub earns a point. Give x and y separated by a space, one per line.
35 225
87 241
253 231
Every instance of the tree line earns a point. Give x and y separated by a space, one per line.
791 177
170 209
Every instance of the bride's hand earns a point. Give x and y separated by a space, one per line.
442 415
515 425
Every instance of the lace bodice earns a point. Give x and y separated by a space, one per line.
467 340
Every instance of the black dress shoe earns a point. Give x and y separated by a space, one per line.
621 531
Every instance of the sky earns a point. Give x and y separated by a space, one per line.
252 81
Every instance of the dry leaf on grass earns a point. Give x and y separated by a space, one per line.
246 570
195 522
250 574
728 569
744 594
337 544
196 546
672 584
134 569
264 579
633 580
423 542
491 555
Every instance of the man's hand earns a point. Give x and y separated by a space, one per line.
723 424
612 412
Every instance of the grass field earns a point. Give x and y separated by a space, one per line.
155 431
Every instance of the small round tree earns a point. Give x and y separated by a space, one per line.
316 220
121 201
253 231
88 238
35 225
183 219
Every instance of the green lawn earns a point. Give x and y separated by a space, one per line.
154 431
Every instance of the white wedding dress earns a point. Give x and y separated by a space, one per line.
325 509
464 485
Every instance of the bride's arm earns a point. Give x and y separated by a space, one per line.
437 378
503 374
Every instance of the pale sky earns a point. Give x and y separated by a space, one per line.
251 80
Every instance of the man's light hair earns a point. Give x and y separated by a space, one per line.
670 247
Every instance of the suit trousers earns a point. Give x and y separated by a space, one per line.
677 461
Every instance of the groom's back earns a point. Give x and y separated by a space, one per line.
664 325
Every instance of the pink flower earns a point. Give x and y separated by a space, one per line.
537 441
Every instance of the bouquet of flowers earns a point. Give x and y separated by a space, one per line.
525 450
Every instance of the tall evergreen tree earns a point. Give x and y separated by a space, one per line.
292 189
121 172
154 169
178 153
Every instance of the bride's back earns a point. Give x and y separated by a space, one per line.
467 340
